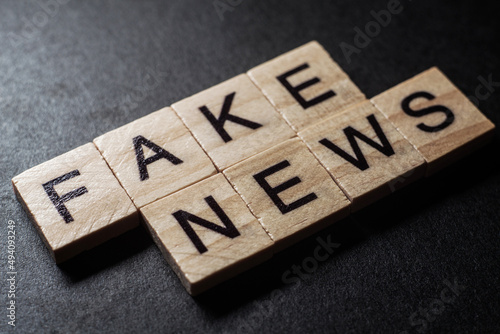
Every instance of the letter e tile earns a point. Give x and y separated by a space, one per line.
289 191
306 85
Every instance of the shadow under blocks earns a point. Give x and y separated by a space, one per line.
226 179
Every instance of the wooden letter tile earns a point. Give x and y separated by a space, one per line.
435 117
233 121
207 233
75 202
154 156
289 191
306 85
365 153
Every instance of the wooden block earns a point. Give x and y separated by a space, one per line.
435 117
154 156
233 121
290 193
207 233
365 154
75 202
306 85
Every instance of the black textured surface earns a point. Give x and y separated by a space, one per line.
92 66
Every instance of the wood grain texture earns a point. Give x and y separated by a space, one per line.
243 100
98 213
319 65
166 131
385 165
224 256
290 160
468 129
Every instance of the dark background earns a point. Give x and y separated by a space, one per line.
91 66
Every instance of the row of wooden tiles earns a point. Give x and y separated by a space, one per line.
276 179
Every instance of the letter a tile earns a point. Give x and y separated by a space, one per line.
154 156
75 202
365 154
306 85
289 191
207 234
233 121
435 117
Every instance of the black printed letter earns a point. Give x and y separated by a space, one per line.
184 218
450 117
295 90
273 192
57 200
218 124
160 153
351 134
